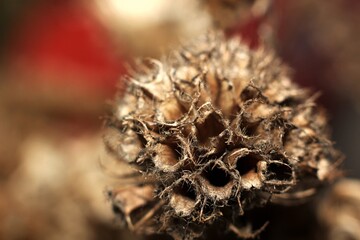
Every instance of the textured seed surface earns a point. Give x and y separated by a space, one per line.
215 130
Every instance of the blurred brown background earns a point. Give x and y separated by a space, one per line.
61 62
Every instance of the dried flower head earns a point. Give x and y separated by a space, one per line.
216 130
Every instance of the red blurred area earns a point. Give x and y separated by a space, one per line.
64 45
249 31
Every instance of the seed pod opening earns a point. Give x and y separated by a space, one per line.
183 198
216 182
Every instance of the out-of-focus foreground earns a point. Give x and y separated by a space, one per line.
61 62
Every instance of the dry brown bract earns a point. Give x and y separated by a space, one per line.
216 129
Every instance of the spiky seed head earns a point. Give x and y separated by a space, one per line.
216 129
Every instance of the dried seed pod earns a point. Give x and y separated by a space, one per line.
217 129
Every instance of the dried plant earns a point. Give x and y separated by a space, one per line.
214 131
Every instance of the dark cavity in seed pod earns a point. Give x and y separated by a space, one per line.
279 171
185 189
210 127
216 176
183 198
248 164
